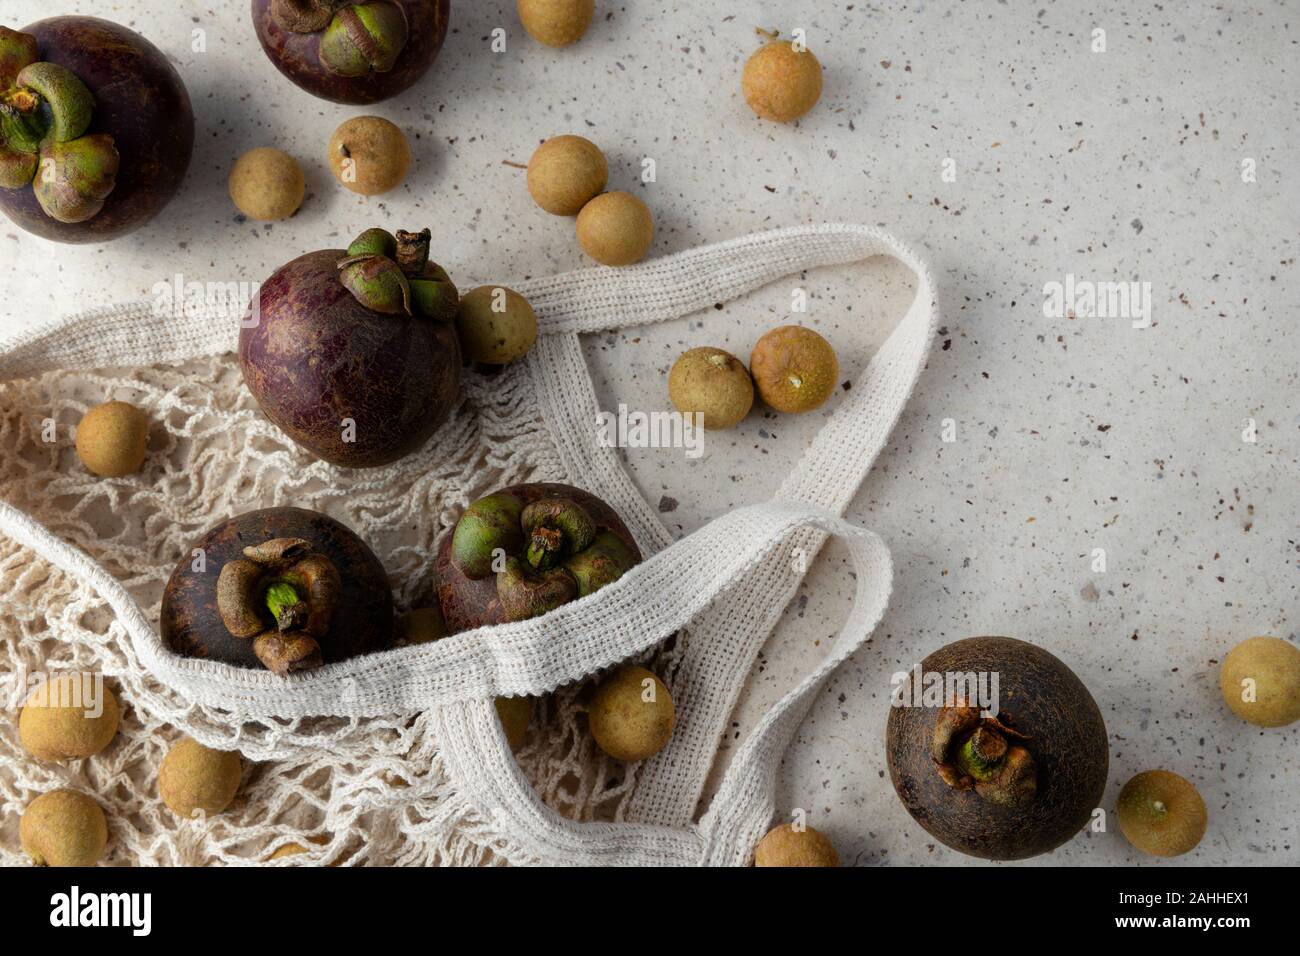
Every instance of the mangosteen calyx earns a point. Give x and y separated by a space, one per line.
392 275
356 38
543 554
45 111
281 595
975 751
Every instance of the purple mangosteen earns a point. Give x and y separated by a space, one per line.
352 51
96 129
353 353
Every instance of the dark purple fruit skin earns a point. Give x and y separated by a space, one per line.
467 603
140 101
1038 695
361 624
317 356
297 55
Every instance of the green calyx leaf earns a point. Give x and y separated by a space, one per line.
377 283
17 167
525 592
363 37
435 295
16 51
67 104
303 16
602 562
74 178
374 242
489 528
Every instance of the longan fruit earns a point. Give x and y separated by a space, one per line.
63 828
1161 813
624 723
113 439
780 83
556 22
565 173
786 846
713 382
54 724
266 184
515 714
194 777
296 849
616 229
1274 666
369 155
496 325
794 369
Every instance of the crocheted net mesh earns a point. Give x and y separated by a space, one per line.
368 791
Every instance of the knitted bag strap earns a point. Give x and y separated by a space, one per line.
726 637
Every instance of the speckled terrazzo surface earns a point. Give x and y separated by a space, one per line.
1071 434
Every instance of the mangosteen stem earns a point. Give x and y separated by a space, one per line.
21 125
413 252
972 750
285 605
544 546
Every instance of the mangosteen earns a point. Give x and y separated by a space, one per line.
354 353
283 588
525 550
96 129
1002 778
351 51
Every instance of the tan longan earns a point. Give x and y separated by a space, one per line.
565 173
266 184
54 724
196 778
297 849
63 828
515 714
556 22
713 382
616 229
1274 666
624 723
113 439
369 155
1161 813
794 369
492 336
780 83
786 846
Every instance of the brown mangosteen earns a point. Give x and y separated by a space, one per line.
997 748
354 353
525 550
352 51
282 588
96 129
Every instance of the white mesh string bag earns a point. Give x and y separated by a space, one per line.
398 757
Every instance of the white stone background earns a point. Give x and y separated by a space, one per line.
1071 434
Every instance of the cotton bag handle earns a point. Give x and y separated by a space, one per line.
525 657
